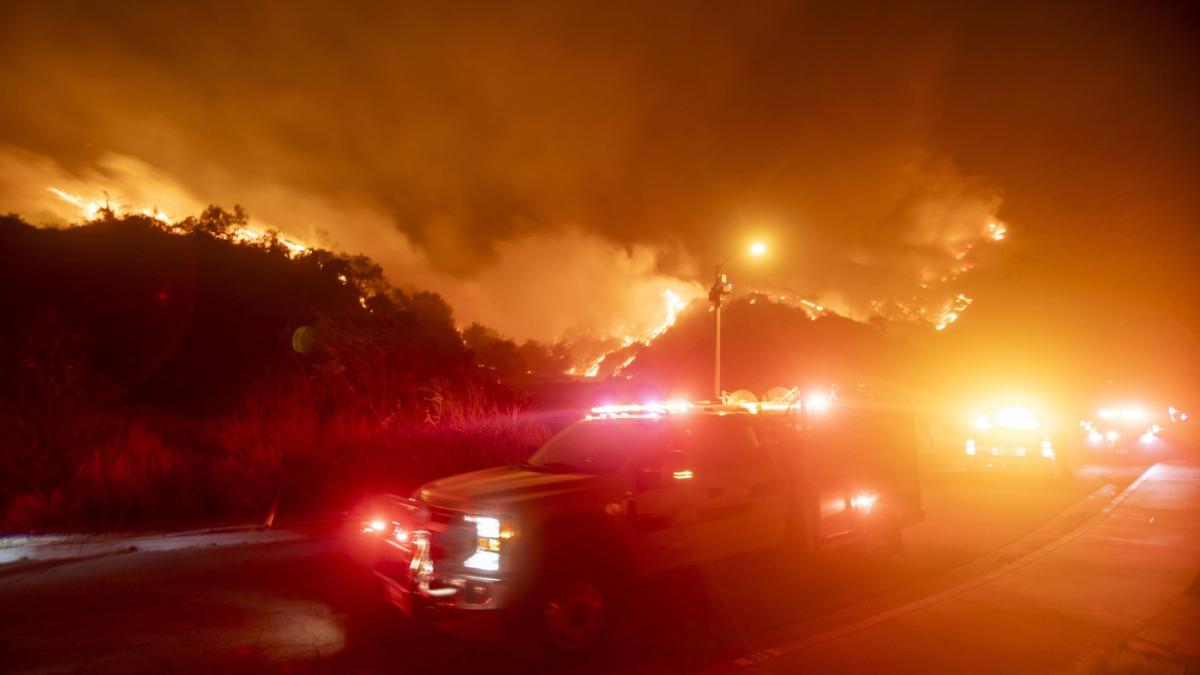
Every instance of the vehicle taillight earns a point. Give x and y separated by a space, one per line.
863 502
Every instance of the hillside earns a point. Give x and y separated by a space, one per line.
154 374
767 344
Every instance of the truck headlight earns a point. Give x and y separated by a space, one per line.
490 535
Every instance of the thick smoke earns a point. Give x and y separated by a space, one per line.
451 143
543 285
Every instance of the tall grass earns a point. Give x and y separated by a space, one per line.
302 440
149 378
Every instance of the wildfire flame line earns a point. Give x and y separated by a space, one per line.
674 305
92 210
952 311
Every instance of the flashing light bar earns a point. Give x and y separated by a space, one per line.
1012 418
1131 414
816 402
643 409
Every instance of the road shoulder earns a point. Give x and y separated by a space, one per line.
1088 589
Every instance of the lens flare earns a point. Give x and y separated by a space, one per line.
818 402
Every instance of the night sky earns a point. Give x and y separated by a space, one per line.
554 167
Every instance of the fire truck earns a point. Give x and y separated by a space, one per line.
547 546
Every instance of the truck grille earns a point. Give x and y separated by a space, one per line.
451 539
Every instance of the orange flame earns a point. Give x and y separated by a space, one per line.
92 210
674 305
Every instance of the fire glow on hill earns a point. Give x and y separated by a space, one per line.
92 210
613 351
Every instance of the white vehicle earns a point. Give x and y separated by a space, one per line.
636 490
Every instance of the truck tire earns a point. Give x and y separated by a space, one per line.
574 612
570 609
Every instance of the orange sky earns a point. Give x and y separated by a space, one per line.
871 147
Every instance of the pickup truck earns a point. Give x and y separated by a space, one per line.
547 546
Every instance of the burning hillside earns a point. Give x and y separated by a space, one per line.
768 343
640 307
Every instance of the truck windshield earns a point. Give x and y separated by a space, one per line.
596 446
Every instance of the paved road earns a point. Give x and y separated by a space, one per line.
1129 572
301 606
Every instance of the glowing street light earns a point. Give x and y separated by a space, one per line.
720 288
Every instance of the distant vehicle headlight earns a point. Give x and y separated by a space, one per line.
970 446
1047 449
1151 434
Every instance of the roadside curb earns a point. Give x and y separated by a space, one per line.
25 565
49 555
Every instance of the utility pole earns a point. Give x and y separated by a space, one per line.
720 288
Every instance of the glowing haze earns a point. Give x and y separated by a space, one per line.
555 168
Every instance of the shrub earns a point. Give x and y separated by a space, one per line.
148 378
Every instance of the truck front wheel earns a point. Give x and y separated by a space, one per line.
574 612
574 599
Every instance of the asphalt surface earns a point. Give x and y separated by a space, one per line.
302 605
1118 589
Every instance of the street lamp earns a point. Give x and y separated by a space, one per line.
720 288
